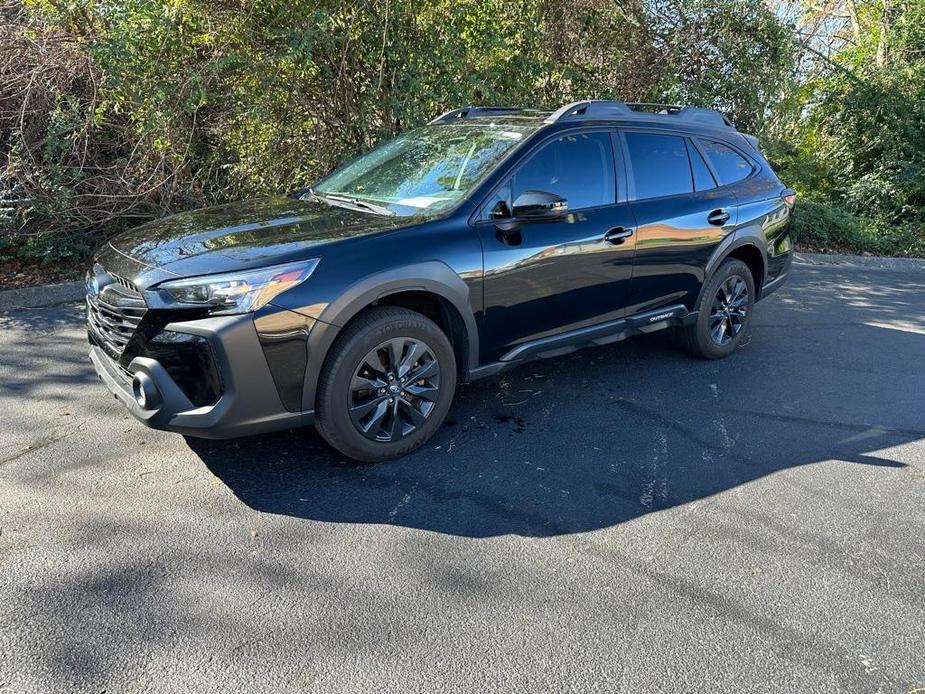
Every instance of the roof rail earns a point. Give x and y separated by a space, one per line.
474 112
590 109
605 110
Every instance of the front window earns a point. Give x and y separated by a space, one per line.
578 167
424 171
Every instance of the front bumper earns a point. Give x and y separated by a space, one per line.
249 404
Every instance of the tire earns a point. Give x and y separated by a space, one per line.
354 412
707 338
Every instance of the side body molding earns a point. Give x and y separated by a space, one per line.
434 277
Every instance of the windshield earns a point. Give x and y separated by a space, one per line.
423 171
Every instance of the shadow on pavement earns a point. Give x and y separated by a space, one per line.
602 437
473 497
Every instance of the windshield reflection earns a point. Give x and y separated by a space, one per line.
424 171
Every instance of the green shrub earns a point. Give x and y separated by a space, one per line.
820 226
115 112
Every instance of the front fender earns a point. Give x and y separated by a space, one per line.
432 276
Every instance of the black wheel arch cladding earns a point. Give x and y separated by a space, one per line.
434 277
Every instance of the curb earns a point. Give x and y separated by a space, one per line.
42 296
858 261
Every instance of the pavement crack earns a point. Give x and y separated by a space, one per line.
42 443
31 448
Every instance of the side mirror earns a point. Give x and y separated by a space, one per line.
538 204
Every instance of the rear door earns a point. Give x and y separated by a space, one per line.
681 216
763 213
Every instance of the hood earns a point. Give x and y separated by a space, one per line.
244 235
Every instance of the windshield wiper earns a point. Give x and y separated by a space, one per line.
356 202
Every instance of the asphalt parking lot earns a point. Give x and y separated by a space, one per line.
621 519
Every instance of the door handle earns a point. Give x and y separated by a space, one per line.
718 217
618 235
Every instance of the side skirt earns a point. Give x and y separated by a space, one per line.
599 334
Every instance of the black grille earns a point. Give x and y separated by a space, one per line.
114 311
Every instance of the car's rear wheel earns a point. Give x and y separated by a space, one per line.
725 312
386 386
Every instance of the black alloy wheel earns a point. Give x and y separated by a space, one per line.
729 310
724 312
394 389
386 385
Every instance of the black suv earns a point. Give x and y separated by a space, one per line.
486 238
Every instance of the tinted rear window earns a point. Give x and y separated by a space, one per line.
660 165
729 165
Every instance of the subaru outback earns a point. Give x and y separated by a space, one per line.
455 251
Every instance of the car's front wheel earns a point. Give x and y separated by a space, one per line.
386 386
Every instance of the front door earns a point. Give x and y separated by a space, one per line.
544 277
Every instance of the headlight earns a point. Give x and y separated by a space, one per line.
239 292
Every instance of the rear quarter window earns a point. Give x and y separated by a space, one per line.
730 166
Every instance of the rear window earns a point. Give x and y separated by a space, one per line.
659 164
730 166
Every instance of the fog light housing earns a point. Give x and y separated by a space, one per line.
146 393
